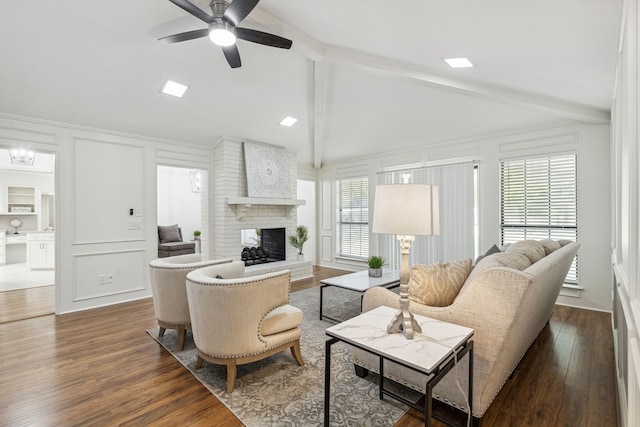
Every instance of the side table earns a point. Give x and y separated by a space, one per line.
432 352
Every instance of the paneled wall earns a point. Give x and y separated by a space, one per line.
100 176
625 190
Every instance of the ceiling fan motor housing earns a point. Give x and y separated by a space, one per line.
218 7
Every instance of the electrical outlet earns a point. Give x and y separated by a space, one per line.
102 279
135 225
138 211
109 277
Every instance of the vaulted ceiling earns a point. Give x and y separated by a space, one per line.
363 76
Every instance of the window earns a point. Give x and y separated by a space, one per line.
539 201
353 217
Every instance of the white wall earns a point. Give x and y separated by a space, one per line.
177 203
592 146
625 225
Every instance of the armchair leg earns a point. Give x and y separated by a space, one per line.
161 331
231 375
199 362
182 333
296 353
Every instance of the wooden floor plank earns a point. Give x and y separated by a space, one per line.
100 367
26 303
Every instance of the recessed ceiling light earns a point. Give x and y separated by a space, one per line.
288 121
174 89
459 62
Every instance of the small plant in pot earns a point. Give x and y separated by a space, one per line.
196 235
375 265
298 240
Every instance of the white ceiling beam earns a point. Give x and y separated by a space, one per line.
316 51
566 109
319 91
302 43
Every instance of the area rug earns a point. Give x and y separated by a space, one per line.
278 392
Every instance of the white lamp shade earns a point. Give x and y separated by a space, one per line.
406 210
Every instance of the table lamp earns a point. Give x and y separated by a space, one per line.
406 210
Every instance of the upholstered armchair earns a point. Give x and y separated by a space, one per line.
168 283
238 320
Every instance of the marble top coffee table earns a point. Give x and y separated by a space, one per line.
359 281
430 352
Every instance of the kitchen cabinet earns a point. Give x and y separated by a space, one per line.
3 247
41 251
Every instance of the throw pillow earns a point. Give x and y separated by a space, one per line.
492 250
169 233
550 245
532 249
437 285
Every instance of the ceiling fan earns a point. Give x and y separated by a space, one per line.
223 29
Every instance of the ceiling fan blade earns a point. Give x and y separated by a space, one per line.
263 38
189 35
238 10
194 10
232 55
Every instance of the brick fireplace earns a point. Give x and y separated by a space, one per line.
233 211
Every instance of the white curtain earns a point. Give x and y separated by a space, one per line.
456 239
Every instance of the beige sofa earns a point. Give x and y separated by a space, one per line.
507 299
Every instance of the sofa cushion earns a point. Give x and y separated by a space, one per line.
169 233
550 245
438 284
176 246
513 260
532 249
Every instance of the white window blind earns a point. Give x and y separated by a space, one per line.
353 217
539 200
457 203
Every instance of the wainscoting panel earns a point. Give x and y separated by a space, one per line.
114 171
102 274
327 248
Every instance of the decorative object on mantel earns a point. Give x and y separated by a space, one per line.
406 210
298 240
267 169
375 265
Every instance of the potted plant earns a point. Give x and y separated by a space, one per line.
298 240
196 235
375 265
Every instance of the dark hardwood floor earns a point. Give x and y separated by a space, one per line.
26 303
100 368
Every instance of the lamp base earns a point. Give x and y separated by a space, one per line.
404 321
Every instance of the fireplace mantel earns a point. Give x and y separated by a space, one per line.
243 204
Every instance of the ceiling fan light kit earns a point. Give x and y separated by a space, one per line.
223 27
222 34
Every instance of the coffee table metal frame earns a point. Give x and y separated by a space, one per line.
359 281
436 372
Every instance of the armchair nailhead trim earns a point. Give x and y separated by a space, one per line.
226 356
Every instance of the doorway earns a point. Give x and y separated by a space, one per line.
27 233
182 200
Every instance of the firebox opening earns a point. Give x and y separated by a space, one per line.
263 245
